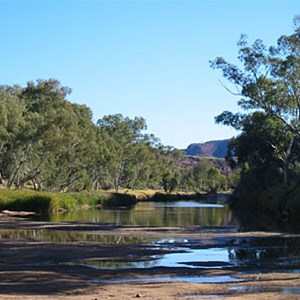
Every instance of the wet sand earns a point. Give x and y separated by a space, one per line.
34 269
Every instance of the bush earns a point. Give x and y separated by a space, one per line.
43 202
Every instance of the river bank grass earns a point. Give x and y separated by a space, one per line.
44 202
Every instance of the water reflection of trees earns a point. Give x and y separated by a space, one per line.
147 214
265 249
57 236
260 221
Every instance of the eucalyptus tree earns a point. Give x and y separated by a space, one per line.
168 168
55 137
126 136
12 121
267 79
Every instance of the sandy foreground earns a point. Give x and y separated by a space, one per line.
32 268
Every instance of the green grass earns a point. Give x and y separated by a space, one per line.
46 201
27 201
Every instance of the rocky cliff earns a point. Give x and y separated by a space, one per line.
208 149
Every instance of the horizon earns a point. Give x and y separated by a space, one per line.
139 58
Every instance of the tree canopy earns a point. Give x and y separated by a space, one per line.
267 82
53 144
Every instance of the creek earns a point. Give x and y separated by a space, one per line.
263 254
163 214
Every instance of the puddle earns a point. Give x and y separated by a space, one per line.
248 289
207 296
189 279
291 290
194 258
259 254
198 258
260 289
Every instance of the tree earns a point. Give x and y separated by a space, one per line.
54 145
267 80
126 134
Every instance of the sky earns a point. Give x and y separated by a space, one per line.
145 58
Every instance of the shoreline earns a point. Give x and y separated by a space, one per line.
33 269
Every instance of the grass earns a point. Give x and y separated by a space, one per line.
43 202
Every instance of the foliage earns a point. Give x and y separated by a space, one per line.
267 82
50 144
44 202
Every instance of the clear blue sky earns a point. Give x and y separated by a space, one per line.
139 58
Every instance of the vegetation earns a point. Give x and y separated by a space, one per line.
267 150
50 144
44 202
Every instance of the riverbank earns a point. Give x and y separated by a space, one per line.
273 207
44 202
117 263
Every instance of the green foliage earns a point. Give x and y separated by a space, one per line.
205 176
28 201
267 150
268 84
44 202
51 144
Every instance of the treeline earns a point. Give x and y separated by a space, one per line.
267 81
54 145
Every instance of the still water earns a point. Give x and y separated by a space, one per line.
250 254
174 214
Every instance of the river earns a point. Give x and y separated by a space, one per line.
152 236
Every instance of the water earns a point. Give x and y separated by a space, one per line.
215 256
258 255
261 289
163 214
191 279
251 254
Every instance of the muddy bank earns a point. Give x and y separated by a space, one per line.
125 262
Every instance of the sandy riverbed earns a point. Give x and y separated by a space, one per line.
35 269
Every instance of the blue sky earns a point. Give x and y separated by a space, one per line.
139 58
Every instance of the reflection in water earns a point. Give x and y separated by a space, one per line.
260 254
174 214
185 258
191 279
63 236
267 252
280 251
261 221
263 289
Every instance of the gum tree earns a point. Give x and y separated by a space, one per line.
267 79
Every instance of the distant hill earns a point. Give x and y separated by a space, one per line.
187 162
209 149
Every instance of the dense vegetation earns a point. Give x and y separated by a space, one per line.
54 145
267 80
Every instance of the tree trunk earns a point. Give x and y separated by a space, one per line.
286 163
118 176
